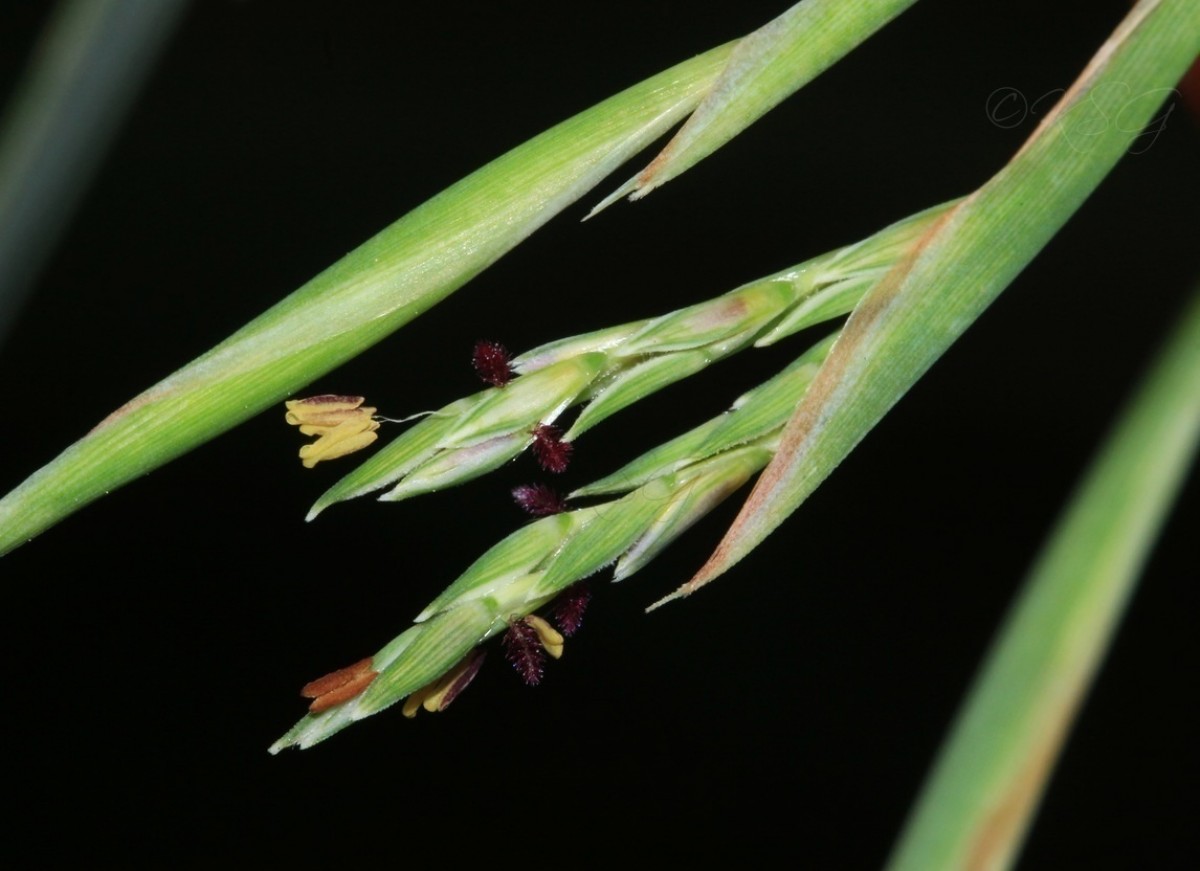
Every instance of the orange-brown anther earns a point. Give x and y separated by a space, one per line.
339 686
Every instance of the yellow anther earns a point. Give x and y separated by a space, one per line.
325 411
433 701
320 429
550 637
342 423
413 703
347 437
437 695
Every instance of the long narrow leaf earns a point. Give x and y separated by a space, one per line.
362 298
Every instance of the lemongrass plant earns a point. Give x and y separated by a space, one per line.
908 311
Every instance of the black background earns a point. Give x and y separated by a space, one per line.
154 643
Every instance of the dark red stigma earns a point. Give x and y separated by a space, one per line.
569 608
551 452
539 500
524 650
490 360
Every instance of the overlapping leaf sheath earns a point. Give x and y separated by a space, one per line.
665 492
768 65
612 368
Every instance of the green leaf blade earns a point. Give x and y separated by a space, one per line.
371 292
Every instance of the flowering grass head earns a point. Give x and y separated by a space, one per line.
530 587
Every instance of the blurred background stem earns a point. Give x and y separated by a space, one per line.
82 78
990 775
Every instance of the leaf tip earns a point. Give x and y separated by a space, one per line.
628 187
